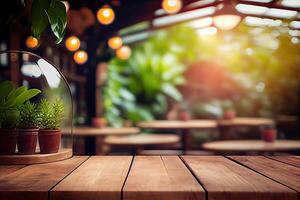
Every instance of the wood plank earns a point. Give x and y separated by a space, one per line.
100 177
33 182
225 179
7 169
291 160
163 178
281 172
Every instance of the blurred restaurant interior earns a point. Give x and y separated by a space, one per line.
161 77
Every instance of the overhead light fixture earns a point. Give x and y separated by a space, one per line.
201 23
115 42
123 53
106 15
227 17
281 13
80 57
251 9
31 42
171 6
72 43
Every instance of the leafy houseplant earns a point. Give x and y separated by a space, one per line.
28 128
50 117
10 99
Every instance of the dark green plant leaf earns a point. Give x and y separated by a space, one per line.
25 96
5 88
58 19
17 92
39 17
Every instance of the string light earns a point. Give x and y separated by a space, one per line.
72 43
123 53
80 57
31 42
115 42
171 6
106 15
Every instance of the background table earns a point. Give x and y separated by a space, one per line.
93 137
227 125
155 178
142 140
183 126
245 146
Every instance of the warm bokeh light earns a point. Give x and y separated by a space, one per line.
80 57
226 22
207 31
72 43
115 42
105 15
171 6
32 42
123 53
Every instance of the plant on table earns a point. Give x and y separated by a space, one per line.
50 117
28 128
10 99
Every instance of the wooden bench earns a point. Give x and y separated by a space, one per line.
155 178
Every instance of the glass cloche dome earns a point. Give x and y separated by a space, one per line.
35 110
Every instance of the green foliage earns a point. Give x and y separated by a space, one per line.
28 117
50 114
139 88
10 99
51 12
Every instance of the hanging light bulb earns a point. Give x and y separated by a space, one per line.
72 43
123 53
226 18
171 6
106 15
80 57
115 42
31 42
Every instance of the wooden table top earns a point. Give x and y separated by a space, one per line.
142 139
92 131
155 178
252 145
177 124
246 121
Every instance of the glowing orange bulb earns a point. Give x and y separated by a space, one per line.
32 42
80 57
72 43
115 42
171 6
123 53
226 22
105 15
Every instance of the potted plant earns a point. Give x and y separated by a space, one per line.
28 128
268 134
228 110
50 117
10 99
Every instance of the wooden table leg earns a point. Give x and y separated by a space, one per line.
186 139
90 145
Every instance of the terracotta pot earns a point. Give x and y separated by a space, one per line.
184 116
99 122
8 141
49 140
269 135
229 115
27 140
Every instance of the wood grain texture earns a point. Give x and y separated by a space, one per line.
163 178
100 177
225 179
286 174
291 160
7 169
37 158
33 182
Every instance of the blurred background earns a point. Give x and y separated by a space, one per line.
171 76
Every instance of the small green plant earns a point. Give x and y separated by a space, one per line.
10 99
50 114
28 117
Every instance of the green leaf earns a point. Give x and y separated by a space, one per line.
171 91
5 88
17 92
58 19
39 17
25 96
